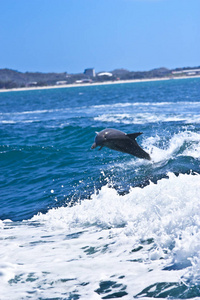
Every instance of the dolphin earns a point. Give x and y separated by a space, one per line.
120 141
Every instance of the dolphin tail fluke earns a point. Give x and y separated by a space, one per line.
139 152
147 156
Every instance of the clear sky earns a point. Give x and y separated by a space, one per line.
71 35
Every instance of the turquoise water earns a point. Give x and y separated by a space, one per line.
78 223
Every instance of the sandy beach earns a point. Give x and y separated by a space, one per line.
94 84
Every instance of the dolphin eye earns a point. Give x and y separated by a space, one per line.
105 135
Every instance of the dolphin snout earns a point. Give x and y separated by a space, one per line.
94 146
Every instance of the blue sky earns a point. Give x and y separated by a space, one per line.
71 35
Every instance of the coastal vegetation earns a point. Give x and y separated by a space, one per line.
14 79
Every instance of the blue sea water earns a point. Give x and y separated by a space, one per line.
78 223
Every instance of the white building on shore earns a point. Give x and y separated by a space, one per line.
107 74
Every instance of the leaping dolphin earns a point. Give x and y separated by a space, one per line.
120 141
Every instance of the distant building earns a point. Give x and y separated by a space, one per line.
108 74
84 81
61 82
33 83
90 72
188 72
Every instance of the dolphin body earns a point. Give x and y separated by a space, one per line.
120 141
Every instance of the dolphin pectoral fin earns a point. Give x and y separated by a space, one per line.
133 136
100 148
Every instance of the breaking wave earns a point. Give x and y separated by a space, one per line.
152 231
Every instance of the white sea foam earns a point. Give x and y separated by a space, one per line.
42 111
148 112
187 139
148 236
143 118
152 104
8 122
31 116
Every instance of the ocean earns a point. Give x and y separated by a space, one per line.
77 223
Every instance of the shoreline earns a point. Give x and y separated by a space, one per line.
94 84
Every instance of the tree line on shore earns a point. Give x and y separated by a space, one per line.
14 79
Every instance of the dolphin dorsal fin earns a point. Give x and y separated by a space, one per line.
133 136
